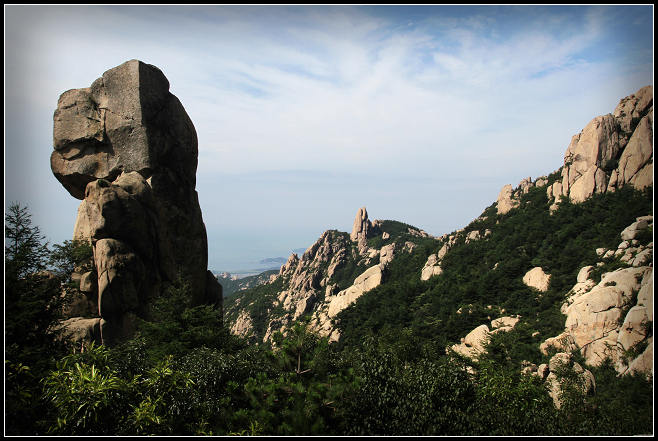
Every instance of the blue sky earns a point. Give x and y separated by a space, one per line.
306 113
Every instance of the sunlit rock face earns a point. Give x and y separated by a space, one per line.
612 151
126 147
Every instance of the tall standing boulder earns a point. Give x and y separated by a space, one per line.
126 147
362 230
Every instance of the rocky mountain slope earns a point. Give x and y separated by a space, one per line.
330 275
546 254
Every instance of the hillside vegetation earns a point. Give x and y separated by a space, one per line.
483 278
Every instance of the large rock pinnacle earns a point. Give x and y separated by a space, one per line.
126 147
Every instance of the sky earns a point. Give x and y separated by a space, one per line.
304 114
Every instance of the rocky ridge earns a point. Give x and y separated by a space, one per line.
612 151
332 274
611 318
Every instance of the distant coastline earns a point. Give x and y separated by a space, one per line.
245 272
274 260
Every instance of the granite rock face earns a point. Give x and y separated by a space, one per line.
612 151
537 278
362 230
612 318
126 147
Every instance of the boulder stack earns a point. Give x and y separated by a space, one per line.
126 147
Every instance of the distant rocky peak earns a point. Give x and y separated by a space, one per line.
362 230
362 227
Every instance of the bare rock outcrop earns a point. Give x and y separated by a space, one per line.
536 278
371 278
362 230
612 151
330 276
126 147
432 268
553 374
473 345
433 265
504 202
602 320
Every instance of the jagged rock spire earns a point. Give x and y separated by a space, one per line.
362 227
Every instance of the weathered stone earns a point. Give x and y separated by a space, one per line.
362 226
116 328
615 143
634 329
127 147
370 278
536 278
563 361
643 363
596 144
362 230
505 322
593 181
472 236
292 262
631 231
113 212
243 325
525 185
583 274
386 254
638 151
89 282
504 201
81 304
633 106
120 275
85 331
543 370
126 121
473 344
563 342
432 267
645 295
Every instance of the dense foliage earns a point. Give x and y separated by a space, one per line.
184 374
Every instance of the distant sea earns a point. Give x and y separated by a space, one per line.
245 269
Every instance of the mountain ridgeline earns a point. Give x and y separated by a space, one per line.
535 259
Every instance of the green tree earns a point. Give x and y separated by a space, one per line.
405 390
34 339
86 398
303 397
176 327
70 255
